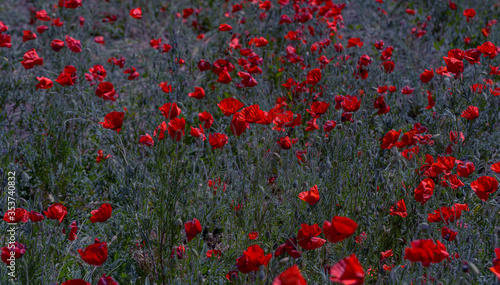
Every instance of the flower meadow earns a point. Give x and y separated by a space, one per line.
250 142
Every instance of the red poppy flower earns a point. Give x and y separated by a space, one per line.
410 11
230 106
426 252
102 214
106 91
291 276
41 29
339 229
424 191
469 13
290 247
42 16
454 65
426 76
484 186
390 139
95 254
70 4
204 65
68 76
225 27
72 232
76 282
252 259
179 251
352 42
136 13
311 196
253 235
238 124
307 237
113 121
448 234
12 252
133 73
217 140
31 59
318 108
388 66
193 228
35 216
224 77
399 209
28 36
44 83
176 128
96 73
464 169
207 118
107 280
146 140
170 110
348 271
496 264
313 76
74 45
165 87
57 45
495 167
471 113
56 211
407 90
350 103
5 41
285 143
197 133
447 214
488 49
198 93
100 157
15 216
99 40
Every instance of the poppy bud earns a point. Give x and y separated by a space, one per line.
179 222
423 226
195 253
295 184
328 164
284 260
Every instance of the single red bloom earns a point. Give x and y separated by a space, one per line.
390 139
198 133
252 259
5 41
68 76
238 124
232 275
318 108
488 49
313 76
311 196
348 271
15 216
424 191
452 5
133 73
44 83
471 113
56 211
102 214
339 229
42 16
410 11
214 252
57 22
165 87
107 280
180 251
193 228
350 103
307 237
291 276
28 36
230 106
74 45
447 214
16 250
204 65
469 13
386 254
31 59
285 143
146 140
399 209
225 27
100 157
329 125
95 254
253 235
426 252
290 247
72 232
352 42
106 91
454 65
484 186
41 29
113 121
217 140
170 110
176 128
448 234
224 77
198 93
388 66
70 4
495 167
99 40
464 169
35 216
136 13
426 76
496 264
407 90
207 118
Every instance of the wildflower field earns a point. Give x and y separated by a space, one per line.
249 142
